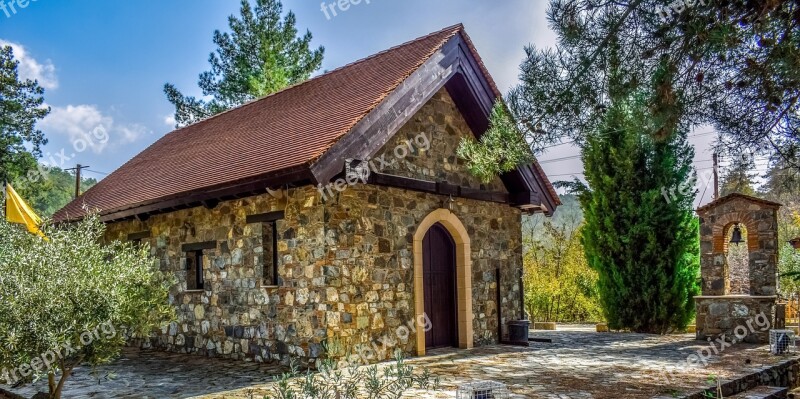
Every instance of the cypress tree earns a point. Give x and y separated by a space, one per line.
643 245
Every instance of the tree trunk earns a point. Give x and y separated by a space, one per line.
66 371
51 381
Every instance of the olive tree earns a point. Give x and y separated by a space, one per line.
72 299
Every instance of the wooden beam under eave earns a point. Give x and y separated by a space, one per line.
438 188
373 131
297 175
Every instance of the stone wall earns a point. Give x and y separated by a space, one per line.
785 374
761 223
718 315
346 271
735 296
345 261
440 121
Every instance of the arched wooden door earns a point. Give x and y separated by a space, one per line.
439 279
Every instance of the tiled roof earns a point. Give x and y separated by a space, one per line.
731 196
546 182
284 130
281 134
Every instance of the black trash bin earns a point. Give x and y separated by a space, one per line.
518 331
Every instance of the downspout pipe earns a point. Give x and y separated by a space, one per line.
499 307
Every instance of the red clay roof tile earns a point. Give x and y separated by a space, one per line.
287 129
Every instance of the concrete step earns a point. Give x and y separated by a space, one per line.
762 392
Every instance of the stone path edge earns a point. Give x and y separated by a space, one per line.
9 395
780 375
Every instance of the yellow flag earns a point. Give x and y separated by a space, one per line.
17 211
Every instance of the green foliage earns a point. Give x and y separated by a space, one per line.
644 248
789 271
54 291
262 54
53 189
739 178
21 106
782 185
559 284
500 149
349 381
736 63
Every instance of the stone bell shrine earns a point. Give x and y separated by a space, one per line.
739 269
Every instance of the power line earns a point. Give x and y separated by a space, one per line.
582 173
559 144
573 141
560 159
703 134
100 173
569 157
567 174
704 192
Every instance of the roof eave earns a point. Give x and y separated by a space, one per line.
207 196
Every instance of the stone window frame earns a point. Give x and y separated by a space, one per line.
197 249
136 238
269 220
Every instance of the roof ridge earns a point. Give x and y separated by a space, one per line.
404 59
479 60
726 197
456 29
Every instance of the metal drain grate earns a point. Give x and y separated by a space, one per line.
781 342
483 390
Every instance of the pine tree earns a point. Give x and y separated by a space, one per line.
782 182
21 106
643 246
500 149
739 177
736 62
261 55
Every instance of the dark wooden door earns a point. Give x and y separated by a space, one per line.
439 278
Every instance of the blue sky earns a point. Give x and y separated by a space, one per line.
104 63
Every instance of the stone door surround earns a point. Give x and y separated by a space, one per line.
463 276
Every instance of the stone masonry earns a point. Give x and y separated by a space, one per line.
345 260
725 304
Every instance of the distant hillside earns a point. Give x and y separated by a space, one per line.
51 194
569 213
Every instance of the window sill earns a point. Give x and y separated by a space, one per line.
194 292
269 286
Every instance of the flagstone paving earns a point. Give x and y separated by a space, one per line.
578 364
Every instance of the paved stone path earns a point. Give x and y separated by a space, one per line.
158 375
578 364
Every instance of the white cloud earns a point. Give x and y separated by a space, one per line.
132 132
29 68
170 120
87 128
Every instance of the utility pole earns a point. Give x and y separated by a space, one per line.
77 170
716 176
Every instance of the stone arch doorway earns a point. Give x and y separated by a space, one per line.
443 221
439 279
